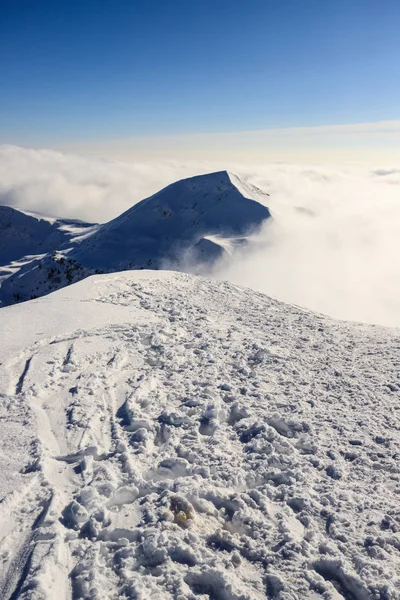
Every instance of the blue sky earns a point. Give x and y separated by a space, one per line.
85 70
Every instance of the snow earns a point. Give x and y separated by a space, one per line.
191 222
167 436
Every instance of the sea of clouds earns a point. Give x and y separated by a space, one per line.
332 246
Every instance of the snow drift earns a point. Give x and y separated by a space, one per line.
165 436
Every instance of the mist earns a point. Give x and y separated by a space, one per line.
73 186
333 244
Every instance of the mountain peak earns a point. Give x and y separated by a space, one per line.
219 180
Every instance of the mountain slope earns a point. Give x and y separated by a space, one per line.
24 236
24 233
165 436
187 222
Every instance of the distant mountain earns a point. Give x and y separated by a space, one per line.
24 233
26 236
192 221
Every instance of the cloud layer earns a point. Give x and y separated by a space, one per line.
334 244
68 185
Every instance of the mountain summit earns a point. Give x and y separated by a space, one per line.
191 221
175 220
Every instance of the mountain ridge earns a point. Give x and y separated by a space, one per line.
185 224
24 232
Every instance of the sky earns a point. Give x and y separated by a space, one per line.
256 79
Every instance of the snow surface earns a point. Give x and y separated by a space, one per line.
166 436
190 222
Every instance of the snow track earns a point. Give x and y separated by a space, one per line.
187 439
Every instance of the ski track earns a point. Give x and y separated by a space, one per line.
232 448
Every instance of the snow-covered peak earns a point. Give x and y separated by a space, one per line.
178 217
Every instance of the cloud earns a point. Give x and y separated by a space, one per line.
333 246
93 189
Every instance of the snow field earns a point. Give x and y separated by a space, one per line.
167 436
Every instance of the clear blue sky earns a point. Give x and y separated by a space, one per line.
87 69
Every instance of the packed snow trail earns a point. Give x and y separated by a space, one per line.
166 436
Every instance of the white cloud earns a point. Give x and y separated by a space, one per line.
334 245
92 189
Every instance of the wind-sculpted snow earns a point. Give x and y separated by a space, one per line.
165 436
187 224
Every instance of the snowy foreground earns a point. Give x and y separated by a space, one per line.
167 436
